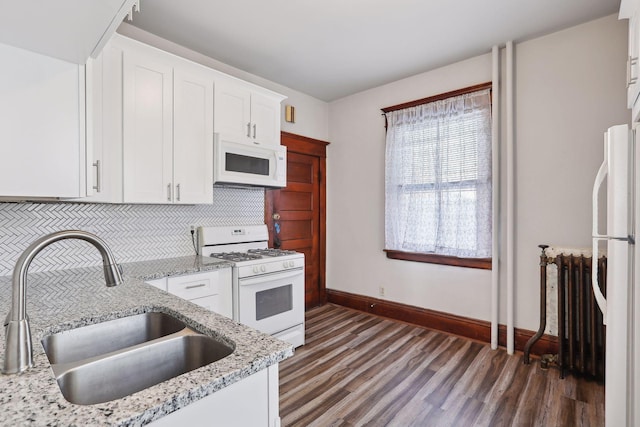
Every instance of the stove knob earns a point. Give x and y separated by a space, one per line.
263 268
292 263
285 264
256 269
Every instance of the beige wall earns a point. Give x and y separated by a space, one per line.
569 89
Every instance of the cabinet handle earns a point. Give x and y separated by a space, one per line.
178 192
201 285
97 187
249 130
630 63
254 131
169 192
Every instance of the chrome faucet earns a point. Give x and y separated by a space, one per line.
18 352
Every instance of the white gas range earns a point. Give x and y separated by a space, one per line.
268 284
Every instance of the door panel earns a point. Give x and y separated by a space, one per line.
299 201
300 173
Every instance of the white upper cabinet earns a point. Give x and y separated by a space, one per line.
135 125
232 111
104 126
148 127
167 128
265 119
246 113
42 118
192 135
71 30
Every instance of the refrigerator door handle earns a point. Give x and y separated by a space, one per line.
600 299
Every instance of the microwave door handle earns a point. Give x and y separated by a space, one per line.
275 162
600 299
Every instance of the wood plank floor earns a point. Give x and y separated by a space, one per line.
357 369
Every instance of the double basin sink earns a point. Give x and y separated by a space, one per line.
113 359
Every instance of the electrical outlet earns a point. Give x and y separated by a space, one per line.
381 291
193 228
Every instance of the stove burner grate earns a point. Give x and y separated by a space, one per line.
235 256
271 252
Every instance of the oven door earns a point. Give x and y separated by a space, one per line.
236 163
272 303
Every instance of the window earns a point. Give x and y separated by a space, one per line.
438 179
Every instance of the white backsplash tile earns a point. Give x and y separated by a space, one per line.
134 232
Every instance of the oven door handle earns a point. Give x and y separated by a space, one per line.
256 280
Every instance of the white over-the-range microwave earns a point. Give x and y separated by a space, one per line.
244 164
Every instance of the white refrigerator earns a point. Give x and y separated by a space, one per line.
622 302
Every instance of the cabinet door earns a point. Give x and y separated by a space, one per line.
265 120
104 126
192 135
252 401
232 111
211 303
148 126
198 286
42 110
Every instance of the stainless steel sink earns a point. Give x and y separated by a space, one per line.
101 338
88 376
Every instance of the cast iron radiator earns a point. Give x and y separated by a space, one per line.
581 333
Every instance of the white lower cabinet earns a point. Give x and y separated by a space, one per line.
250 402
211 289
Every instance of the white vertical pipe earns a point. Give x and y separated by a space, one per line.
510 200
495 190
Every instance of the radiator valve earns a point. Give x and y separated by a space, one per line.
546 359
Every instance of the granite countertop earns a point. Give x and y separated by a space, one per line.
67 299
155 269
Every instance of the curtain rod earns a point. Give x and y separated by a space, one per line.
463 91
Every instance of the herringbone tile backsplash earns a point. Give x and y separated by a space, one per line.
134 232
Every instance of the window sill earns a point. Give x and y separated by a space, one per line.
481 263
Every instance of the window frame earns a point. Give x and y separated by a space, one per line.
479 263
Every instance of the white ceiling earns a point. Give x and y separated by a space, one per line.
333 48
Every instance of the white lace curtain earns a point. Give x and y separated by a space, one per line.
438 177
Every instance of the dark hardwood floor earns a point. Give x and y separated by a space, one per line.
358 369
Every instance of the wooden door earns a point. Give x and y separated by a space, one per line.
301 210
